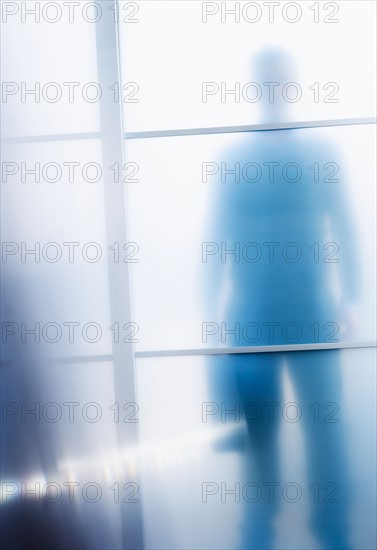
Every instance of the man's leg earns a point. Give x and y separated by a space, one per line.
317 379
258 379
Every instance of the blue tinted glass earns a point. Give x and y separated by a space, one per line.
60 444
253 239
259 443
50 81
55 249
207 66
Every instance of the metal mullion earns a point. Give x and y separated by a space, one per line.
249 128
254 349
76 136
218 351
119 284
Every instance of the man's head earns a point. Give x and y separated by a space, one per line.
273 69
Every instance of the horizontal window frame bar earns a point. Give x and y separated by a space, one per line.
147 134
107 358
51 138
254 349
69 360
249 128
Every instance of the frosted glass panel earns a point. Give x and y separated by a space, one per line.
263 63
258 444
54 255
253 239
59 440
49 72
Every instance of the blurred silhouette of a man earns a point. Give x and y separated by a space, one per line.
293 282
